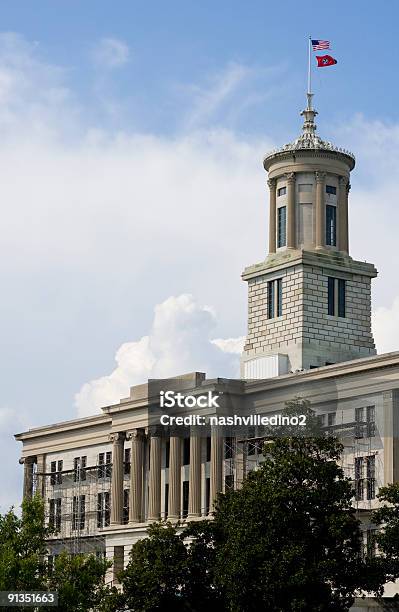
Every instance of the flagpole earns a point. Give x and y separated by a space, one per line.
309 94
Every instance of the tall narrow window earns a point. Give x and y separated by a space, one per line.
60 467
331 225
370 475
208 448
275 298
167 453
359 422
185 498
341 297
270 300
359 483
126 461
166 499
58 514
279 305
108 464
281 226
125 516
336 297
78 511
207 495
331 296
53 477
370 418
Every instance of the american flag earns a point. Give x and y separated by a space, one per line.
319 45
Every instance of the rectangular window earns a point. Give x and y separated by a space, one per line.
60 467
369 543
281 191
208 448
103 509
166 500
341 297
125 515
53 477
331 225
370 475
270 300
331 189
279 297
79 468
186 451
185 498
336 297
126 461
370 418
167 453
58 514
281 226
100 469
78 511
207 495
108 464
359 483
275 298
359 422
331 296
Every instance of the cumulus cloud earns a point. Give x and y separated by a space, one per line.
111 53
386 327
179 341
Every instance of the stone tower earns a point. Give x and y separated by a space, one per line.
309 302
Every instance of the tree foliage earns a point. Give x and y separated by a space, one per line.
171 569
79 579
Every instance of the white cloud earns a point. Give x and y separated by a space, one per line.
386 327
179 341
111 53
230 345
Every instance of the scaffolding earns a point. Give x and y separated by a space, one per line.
77 507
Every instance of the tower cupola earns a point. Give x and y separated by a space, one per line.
309 301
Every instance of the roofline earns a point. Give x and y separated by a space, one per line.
344 368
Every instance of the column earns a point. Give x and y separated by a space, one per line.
154 499
216 465
320 210
174 476
117 440
272 215
343 232
40 474
291 238
194 492
136 475
27 462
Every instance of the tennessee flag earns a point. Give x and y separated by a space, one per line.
325 60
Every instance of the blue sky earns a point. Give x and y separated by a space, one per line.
133 193
176 45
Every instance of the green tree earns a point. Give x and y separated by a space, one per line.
23 548
78 579
289 540
386 518
172 569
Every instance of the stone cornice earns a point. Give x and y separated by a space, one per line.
63 426
335 260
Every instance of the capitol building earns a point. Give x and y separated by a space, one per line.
105 478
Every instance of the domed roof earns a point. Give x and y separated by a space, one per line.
308 141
